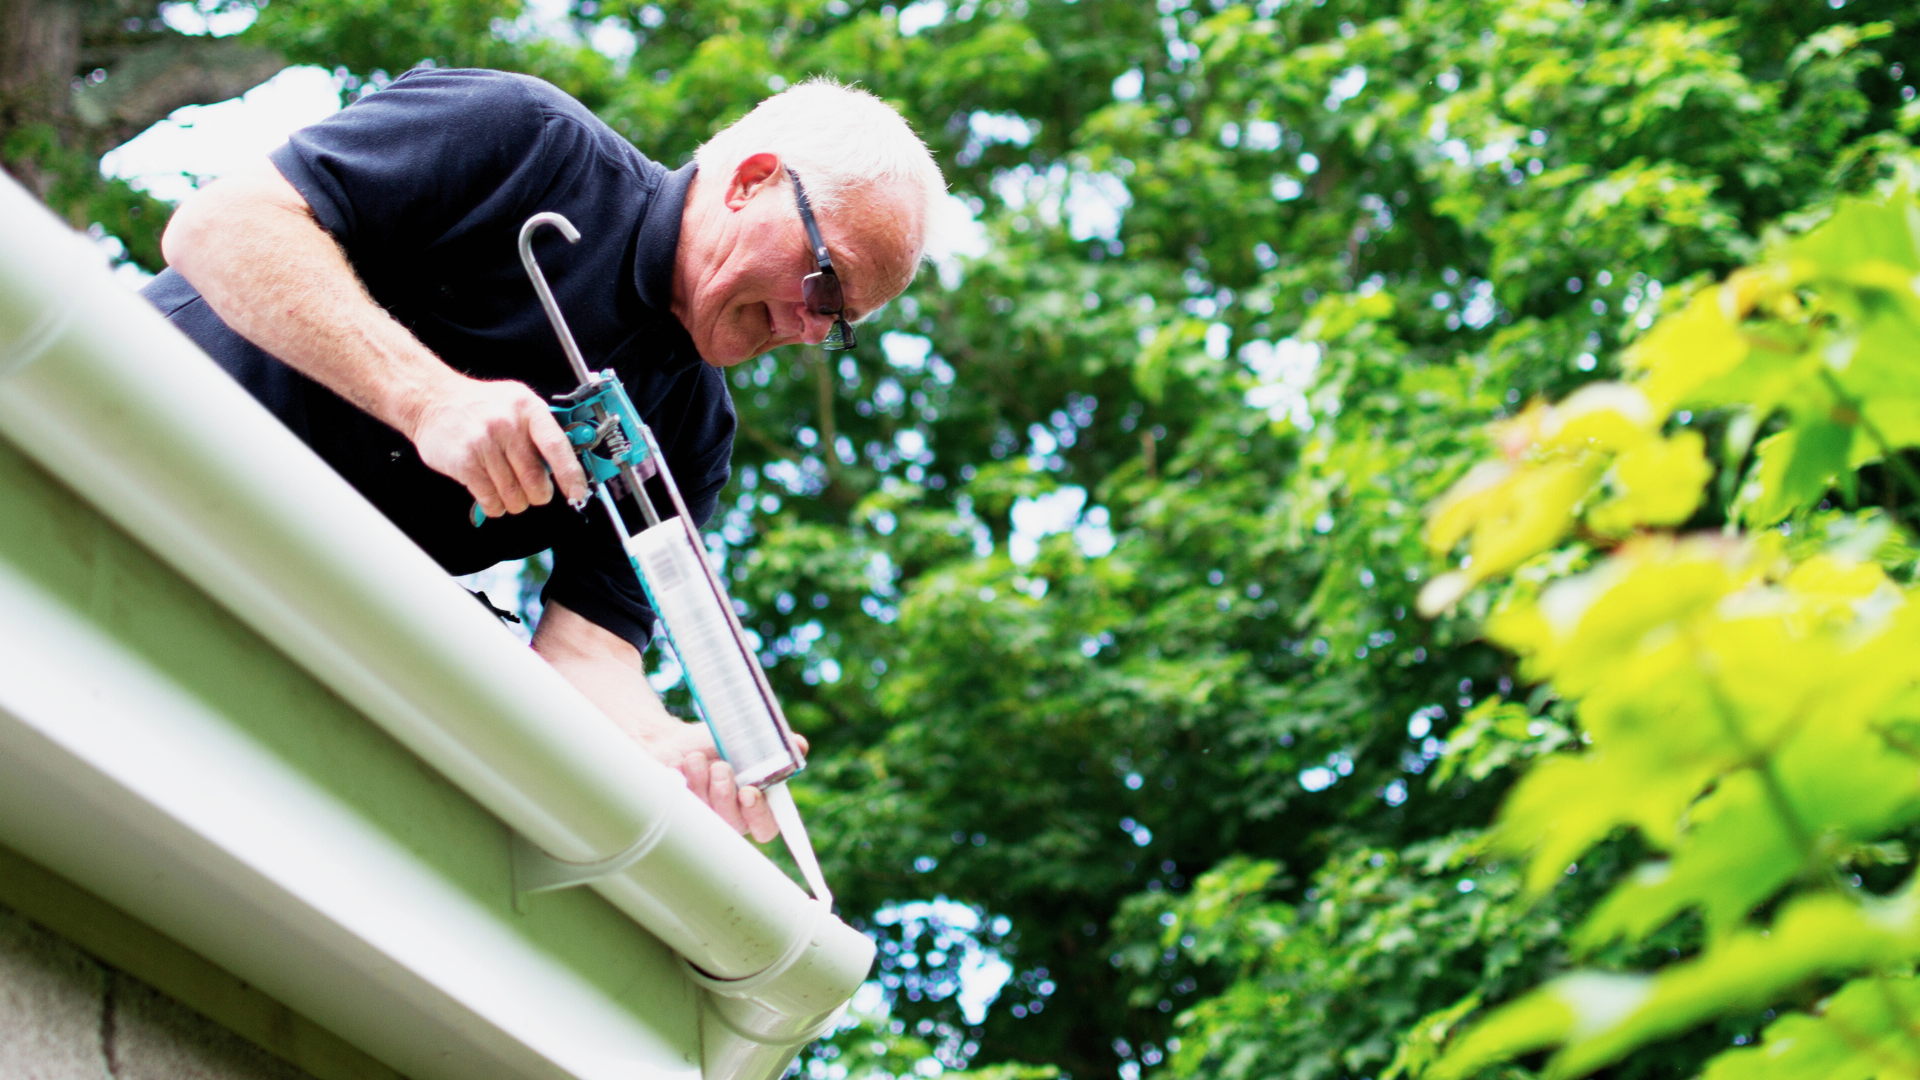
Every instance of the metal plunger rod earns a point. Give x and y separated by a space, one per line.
558 320
647 511
572 348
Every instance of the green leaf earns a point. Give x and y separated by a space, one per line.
1794 469
1863 1032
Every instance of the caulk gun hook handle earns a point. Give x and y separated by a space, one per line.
547 302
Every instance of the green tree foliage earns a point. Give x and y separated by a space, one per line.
1254 279
1746 697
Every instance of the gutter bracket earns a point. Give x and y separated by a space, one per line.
535 871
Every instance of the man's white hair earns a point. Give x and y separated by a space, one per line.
846 144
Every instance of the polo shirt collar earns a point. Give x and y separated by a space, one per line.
659 239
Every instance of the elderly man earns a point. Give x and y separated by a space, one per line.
364 285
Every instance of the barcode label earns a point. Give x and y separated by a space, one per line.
713 659
663 570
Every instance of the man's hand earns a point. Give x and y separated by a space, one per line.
608 671
499 440
690 749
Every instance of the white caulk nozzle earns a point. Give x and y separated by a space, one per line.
794 832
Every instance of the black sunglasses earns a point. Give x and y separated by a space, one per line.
820 290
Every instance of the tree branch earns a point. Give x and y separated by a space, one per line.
148 83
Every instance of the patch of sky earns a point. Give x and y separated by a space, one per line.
1286 188
550 20
1095 204
1219 338
955 235
907 352
555 20
1092 204
912 446
1322 777
1283 372
948 928
806 477
614 39
1059 511
991 127
985 129
1127 86
210 18
1346 86
921 15
1262 135
1480 308
197 144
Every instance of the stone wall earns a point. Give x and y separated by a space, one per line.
66 1016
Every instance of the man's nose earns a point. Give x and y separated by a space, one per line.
814 328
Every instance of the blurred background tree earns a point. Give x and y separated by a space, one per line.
1091 574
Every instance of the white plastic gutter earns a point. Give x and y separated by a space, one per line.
102 392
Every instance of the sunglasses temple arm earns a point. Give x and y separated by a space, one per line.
806 218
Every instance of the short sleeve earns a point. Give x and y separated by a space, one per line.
703 451
431 155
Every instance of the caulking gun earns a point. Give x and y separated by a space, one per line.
721 668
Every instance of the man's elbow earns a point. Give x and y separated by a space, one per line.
185 233
220 216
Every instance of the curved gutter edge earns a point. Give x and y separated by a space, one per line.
102 392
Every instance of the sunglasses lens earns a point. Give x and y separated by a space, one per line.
821 292
840 337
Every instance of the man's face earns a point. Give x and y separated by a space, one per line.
744 298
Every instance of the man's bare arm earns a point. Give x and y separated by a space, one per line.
251 247
608 670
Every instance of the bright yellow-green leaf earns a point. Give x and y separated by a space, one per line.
1796 467
1864 1032
1862 231
1509 513
1565 805
1601 1018
1658 482
1738 852
1541 1019
1686 350
1814 935
1605 416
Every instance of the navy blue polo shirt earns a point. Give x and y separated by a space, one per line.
425 185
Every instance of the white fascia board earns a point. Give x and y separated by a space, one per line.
103 393
118 779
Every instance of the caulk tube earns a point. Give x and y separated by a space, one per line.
720 672
716 664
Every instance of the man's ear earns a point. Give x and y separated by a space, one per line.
756 173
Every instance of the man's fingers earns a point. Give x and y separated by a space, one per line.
805 747
558 453
724 796
500 471
694 768
760 823
529 470
480 486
